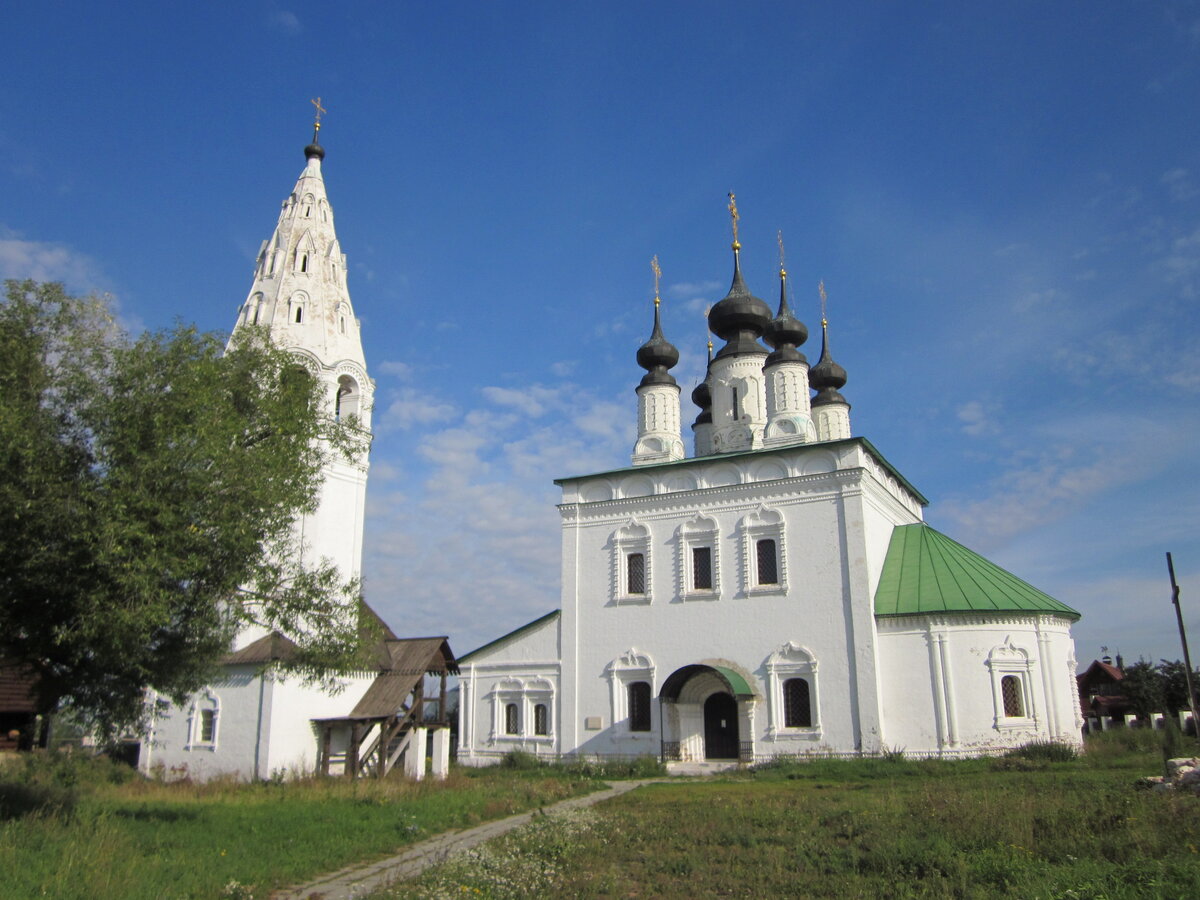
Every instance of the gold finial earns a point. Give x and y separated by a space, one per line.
821 291
320 112
657 275
733 214
782 267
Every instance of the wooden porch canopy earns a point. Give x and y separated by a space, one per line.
404 663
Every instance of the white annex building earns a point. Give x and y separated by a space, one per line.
255 721
775 593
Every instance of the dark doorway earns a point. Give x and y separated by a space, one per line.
720 727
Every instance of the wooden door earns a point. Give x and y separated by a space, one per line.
720 727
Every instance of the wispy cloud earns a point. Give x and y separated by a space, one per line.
411 406
976 420
285 21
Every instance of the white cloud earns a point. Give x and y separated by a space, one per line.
690 289
976 420
44 261
411 406
1179 184
533 401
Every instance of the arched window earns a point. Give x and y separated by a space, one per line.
639 706
299 315
1010 691
512 719
541 720
768 561
308 205
302 261
797 709
637 573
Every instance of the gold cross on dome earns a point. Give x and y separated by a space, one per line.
782 267
657 275
821 291
320 112
733 214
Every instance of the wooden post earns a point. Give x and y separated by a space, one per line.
352 750
326 746
1187 658
442 702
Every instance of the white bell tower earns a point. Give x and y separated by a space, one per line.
300 294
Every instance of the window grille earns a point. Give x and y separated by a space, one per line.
208 726
639 706
702 579
1010 691
637 573
512 719
768 562
797 710
541 719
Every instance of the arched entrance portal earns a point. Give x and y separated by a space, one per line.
707 713
720 727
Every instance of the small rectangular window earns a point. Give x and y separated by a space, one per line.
636 583
768 562
797 707
512 719
541 720
702 579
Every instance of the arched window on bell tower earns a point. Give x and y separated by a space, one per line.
348 398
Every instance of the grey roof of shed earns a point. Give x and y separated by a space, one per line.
266 649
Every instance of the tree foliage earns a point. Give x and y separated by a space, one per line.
1154 688
148 498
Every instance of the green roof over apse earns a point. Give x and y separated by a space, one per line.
926 572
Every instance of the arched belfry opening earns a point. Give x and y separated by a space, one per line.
348 398
708 713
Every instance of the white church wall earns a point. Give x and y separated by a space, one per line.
177 746
523 670
945 686
293 743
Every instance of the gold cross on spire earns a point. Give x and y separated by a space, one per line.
821 291
782 268
733 214
657 275
320 112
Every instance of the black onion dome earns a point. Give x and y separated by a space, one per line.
702 395
656 356
314 149
785 332
826 377
740 318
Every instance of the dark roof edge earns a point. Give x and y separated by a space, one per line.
764 451
512 634
1001 613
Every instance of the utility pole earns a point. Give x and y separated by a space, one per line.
1187 658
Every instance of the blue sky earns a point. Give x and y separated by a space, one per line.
1003 201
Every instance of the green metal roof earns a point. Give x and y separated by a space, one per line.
926 572
736 682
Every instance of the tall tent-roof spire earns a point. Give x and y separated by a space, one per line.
658 354
785 332
826 377
739 318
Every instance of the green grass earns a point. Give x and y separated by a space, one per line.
1034 825
143 839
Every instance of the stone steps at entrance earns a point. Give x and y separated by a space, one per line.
709 767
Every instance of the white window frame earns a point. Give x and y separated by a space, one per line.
525 695
700 531
1009 659
763 524
539 690
632 665
632 537
792 660
206 701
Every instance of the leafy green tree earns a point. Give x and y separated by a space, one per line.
1175 691
148 494
1143 686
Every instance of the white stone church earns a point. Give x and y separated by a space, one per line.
255 721
776 593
